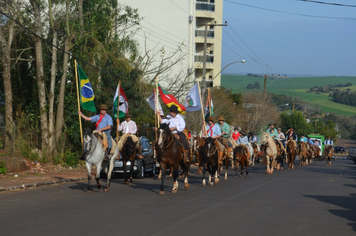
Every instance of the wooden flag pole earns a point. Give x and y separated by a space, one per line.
209 101
80 120
157 102
117 114
155 114
202 109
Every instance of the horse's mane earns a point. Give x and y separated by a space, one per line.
328 148
165 127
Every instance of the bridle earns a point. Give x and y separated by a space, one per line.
163 142
91 145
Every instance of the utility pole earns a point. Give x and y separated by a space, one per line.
203 90
264 89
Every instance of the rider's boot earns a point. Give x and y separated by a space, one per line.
106 157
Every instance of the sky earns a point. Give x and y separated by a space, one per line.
274 42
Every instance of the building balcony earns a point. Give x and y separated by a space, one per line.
201 33
200 57
205 6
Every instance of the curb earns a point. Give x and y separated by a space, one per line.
36 185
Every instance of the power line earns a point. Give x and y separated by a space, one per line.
329 3
291 13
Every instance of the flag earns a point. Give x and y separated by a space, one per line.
86 92
207 110
192 102
152 101
124 106
169 99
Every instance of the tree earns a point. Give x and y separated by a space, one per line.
297 122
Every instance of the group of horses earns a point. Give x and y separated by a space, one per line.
169 154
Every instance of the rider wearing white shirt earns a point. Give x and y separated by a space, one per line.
328 141
129 128
243 139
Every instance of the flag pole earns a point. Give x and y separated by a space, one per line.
80 120
155 114
117 114
209 101
157 107
202 109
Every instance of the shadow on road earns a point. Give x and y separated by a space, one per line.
348 203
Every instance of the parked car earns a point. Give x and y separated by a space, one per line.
338 149
352 154
141 166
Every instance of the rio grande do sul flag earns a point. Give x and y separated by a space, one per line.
170 100
86 92
124 106
153 102
192 102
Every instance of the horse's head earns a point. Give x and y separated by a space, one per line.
87 141
208 149
130 147
163 134
265 138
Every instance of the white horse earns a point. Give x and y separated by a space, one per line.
270 151
252 154
94 152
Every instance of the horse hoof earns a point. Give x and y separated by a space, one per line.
186 185
174 190
161 192
130 184
210 183
203 184
125 182
216 181
88 191
99 186
281 168
235 176
225 178
106 189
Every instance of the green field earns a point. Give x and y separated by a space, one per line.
296 87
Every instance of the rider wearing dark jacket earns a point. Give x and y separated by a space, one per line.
290 135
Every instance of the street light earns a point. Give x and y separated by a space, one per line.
281 106
243 61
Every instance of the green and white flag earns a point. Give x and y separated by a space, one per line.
192 102
86 92
124 106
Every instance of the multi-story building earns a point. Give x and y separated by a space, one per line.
171 23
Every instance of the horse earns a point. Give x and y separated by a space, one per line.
303 154
270 152
255 153
291 153
328 153
251 154
310 153
209 158
94 154
128 153
241 157
196 150
280 154
169 154
317 152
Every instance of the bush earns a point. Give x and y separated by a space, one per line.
3 169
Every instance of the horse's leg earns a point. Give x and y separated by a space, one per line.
247 169
236 166
226 167
217 174
282 157
242 168
175 179
204 170
97 177
125 172
160 174
187 169
131 171
163 171
272 161
89 175
268 164
170 173
108 174
210 169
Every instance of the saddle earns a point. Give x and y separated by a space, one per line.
102 137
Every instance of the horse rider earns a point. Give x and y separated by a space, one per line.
292 136
316 143
213 131
177 125
254 140
243 141
103 123
303 139
329 141
225 130
129 128
280 138
235 135
271 130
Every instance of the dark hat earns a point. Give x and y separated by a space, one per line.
211 118
243 133
103 107
236 128
279 129
271 123
221 118
174 109
127 115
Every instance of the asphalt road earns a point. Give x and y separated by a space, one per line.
311 200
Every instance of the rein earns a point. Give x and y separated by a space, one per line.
91 141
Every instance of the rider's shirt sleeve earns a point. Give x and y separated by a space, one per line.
94 119
181 124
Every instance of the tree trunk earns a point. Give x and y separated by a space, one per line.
53 80
9 123
80 12
40 75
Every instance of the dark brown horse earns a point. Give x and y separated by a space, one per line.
210 159
280 154
241 157
128 153
317 152
328 153
303 154
169 155
310 153
291 153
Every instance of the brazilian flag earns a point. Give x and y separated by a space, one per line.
86 92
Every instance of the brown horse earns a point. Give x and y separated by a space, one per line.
291 153
210 159
241 157
303 154
196 150
170 154
317 152
128 153
310 153
280 154
328 153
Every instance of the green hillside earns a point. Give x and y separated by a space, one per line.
296 87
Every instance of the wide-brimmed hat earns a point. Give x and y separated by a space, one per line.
271 123
128 115
243 133
211 118
103 107
174 109
221 118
